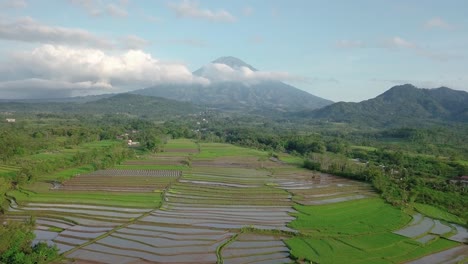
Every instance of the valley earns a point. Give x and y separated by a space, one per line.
219 203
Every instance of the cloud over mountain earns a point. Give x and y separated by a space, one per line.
219 72
75 69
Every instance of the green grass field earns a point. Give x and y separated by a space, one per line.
181 144
365 216
379 248
117 199
356 232
437 213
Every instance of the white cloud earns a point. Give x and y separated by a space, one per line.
116 11
192 42
398 42
97 7
191 9
28 30
78 69
14 4
134 42
152 19
438 22
218 72
350 44
92 7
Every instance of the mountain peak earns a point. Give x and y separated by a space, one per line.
400 91
402 87
233 62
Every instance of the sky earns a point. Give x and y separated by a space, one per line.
339 50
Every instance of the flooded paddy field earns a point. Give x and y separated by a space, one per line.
218 203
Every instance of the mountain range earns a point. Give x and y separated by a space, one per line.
400 105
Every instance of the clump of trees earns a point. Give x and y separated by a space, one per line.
15 245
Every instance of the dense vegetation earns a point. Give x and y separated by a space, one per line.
15 245
410 167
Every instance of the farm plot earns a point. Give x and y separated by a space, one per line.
181 146
450 256
424 229
225 198
252 248
158 159
121 180
233 162
155 243
231 205
358 231
315 188
72 225
219 150
200 213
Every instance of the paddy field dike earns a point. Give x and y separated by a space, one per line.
219 203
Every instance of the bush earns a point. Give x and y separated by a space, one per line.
311 165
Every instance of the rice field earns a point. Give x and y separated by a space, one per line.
218 203
425 229
361 231
315 188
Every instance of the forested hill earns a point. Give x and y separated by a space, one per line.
400 105
129 104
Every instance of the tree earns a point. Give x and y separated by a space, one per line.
15 245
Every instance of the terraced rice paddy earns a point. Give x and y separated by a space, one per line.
250 248
315 188
231 205
121 180
425 229
450 256
358 231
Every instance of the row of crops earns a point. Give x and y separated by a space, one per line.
210 202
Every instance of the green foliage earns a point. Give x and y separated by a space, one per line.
311 165
122 199
15 245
